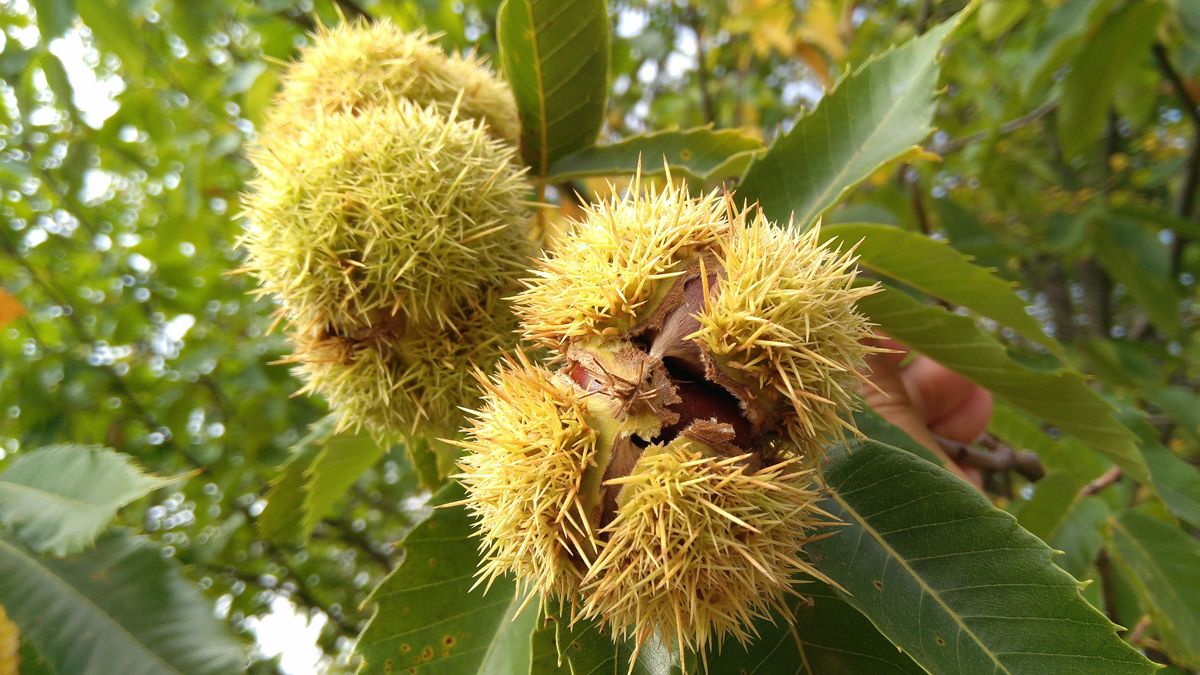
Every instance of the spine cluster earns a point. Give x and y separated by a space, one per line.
387 220
658 474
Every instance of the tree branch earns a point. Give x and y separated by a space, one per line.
1104 480
995 456
1186 206
1008 127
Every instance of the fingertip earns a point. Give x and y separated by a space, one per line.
967 421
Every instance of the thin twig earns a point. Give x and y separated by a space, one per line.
1108 585
344 531
1104 480
923 15
1186 206
1139 630
954 145
995 456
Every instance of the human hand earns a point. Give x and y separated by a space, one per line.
927 400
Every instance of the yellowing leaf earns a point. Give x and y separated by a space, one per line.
816 63
11 309
819 27
10 645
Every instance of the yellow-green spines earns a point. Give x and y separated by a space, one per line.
404 378
528 451
617 263
775 319
702 545
356 66
393 210
785 319
663 482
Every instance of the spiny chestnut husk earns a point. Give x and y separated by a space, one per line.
359 65
661 479
393 210
715 294
389 238
404 378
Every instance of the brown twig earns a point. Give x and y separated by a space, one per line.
1108 585
994 455
1186 206
924 12
1104 480
1139 630
1008 127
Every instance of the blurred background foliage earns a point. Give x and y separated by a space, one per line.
1067 159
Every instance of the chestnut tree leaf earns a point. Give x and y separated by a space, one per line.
428 616
60 498
953 581
121 607
702 153
280 520
879 112
560 647
828 637
1060 397
936 268
555 55
1106 60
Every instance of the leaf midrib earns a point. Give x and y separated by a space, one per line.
543 122
39 569
42 492
925 587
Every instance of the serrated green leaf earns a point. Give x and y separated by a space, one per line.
935 268
1162 562
1060 398
1066 455
510 650
1067 520
1053 496
555 56
343 458
952 580
428 618
703 154
1107 58
560 648
60 498
280 521
829 637
879 112
121 607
